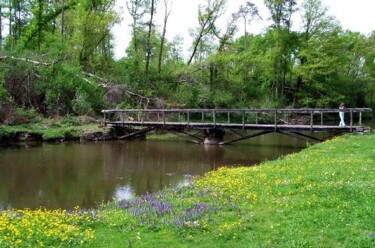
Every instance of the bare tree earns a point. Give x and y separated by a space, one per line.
137 9
167 11
248 13
225 38
148 42
207 16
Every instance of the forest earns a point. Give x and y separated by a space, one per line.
57 59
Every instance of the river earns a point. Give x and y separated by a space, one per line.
89 174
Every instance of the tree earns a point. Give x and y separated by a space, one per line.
369 70
62 18
1 28
149 34
248 13
88 32
137 9
167 12
281 14
320 56
207 16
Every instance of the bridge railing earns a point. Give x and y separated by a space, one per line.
275 117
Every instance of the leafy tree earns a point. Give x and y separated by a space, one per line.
369 70
281 14
319 58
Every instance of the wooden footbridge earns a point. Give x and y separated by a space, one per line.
212 123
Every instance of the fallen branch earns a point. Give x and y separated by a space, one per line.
35 62
105 84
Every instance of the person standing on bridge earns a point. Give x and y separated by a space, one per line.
341 114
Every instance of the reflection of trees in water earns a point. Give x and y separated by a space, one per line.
151 166
54 176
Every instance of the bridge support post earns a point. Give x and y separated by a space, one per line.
213 136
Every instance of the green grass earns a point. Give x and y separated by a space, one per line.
323 196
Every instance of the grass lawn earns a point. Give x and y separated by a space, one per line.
323 196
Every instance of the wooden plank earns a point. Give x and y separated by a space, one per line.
237 126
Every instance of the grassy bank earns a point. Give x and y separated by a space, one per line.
323 196
66 129
58 129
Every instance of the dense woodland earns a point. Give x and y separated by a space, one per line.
57 59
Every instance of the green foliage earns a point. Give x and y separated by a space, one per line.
81 104
26 116
190 96
58 60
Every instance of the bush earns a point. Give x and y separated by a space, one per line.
81 104
23 116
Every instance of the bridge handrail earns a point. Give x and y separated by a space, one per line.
144 116
246 110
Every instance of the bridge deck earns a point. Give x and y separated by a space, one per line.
265 127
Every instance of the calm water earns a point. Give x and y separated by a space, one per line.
86 175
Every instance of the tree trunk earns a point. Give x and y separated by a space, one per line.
197 42
1 31
19 21
40 13
10 24
62 19
162 40
148 51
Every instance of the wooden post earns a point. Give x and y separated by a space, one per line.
256 118
188 117
243 119
163 118
214 118
202 116
275 119
321 118
122 118
351 120
360 118
311 120
228 117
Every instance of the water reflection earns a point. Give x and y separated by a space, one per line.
67 175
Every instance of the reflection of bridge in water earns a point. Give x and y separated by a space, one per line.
211 123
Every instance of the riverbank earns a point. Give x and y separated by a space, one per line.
56 130
323 196
66 129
